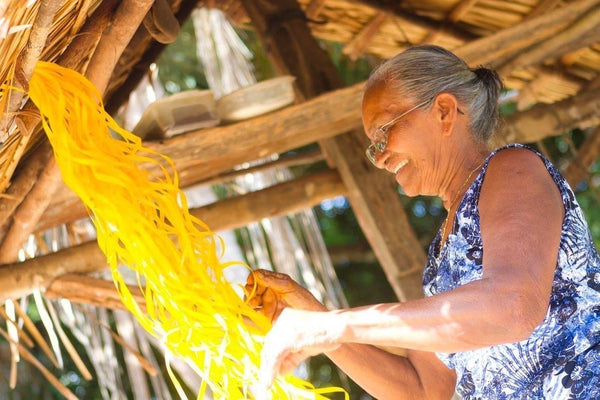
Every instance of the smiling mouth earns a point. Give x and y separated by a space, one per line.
399 166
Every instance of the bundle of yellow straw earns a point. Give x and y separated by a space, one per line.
143 222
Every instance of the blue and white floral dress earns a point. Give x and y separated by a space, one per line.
561 359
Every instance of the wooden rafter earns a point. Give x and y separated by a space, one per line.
85 289
355 47
455 15
543 7
496 49
582 33
545 120
278 200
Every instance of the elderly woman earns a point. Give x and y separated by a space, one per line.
512 306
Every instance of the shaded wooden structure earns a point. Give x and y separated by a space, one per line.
547 51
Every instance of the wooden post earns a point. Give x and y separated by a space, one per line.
588 152
281 25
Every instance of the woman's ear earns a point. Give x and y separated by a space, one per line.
446 107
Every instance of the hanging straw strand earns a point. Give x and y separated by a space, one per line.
142 221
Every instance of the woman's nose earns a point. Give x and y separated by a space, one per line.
381 159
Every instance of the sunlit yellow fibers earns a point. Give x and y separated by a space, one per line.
143 222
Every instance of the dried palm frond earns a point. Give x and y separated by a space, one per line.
17 38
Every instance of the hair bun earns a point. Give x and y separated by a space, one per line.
485 74
489 77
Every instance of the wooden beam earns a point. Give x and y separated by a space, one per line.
24 181
285 161
545 120
85 289
583 33
115 38
20 279
202 154
500 47
373 194
205 153
281 199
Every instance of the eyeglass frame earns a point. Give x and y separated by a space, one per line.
379 145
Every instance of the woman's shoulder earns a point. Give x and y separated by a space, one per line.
516 158
519 173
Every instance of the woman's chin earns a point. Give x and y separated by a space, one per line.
405 189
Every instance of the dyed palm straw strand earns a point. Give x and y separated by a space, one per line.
142 221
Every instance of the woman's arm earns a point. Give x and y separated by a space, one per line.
383 374
521 217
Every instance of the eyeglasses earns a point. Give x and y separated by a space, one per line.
381 136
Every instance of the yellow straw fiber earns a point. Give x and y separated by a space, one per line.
142 221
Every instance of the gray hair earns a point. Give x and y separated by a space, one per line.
422 72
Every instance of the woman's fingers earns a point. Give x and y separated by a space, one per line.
271 304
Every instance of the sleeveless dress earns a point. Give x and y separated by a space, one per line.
561 359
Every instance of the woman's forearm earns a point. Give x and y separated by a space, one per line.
385 375
473 316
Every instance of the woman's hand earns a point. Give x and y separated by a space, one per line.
270 292
296 336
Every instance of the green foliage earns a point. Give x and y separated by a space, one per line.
178 66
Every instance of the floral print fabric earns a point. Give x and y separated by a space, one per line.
561 359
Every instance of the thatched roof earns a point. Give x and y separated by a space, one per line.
547 51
